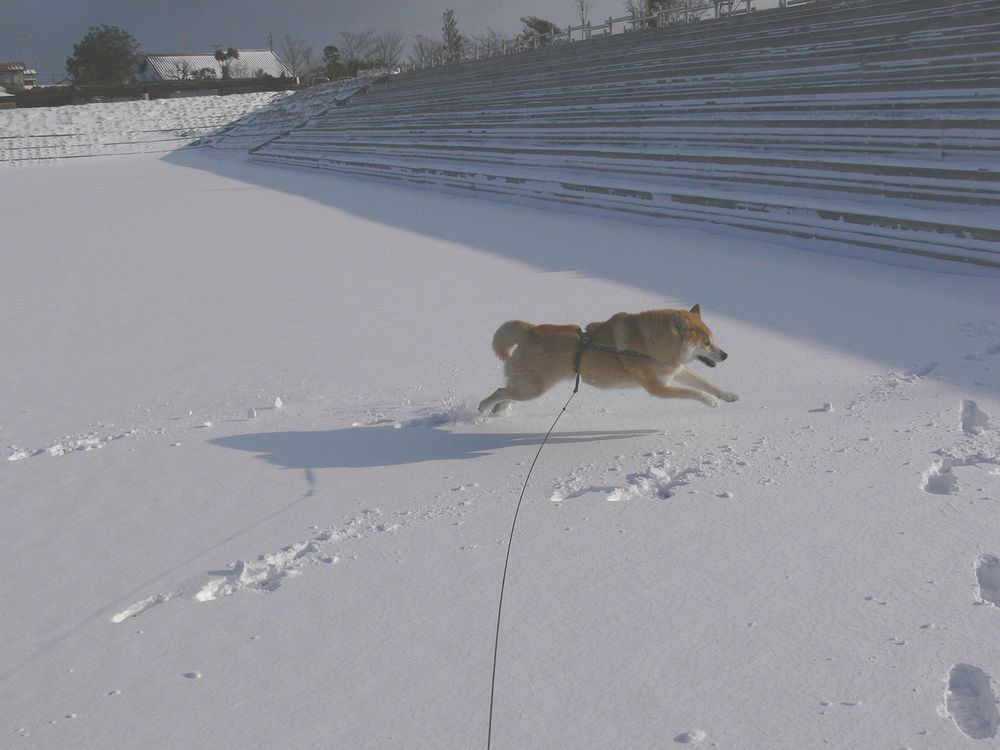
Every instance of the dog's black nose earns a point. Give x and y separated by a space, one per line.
722 355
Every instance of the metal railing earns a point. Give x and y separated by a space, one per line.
686 11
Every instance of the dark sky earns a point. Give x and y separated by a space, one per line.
42 32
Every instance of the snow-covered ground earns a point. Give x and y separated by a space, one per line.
247 501
237 122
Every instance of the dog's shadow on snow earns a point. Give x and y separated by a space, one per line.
361 447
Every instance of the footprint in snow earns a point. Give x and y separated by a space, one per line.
139 607
264 574
826 408
923 372
988 579
654 483
974 421
939 479
268 572
694 737
970 703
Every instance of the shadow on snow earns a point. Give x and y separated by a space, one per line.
357 447
868 309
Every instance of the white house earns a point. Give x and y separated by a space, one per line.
16 76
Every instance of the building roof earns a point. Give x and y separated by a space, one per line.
247 65
16 67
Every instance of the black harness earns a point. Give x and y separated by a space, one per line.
587 342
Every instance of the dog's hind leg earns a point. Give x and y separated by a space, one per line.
501 397
495 402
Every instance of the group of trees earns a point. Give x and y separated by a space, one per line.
108 54
364 50
453 44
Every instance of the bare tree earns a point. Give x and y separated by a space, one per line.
647 8
426 51
489 38
637 8
582 8
240 69
297 53
180 71
386 49
356 47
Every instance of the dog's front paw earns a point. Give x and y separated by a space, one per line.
709 400
729 396
499 409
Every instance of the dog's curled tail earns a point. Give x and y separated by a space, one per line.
509 335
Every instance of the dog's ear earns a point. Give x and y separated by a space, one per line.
696 310
680 322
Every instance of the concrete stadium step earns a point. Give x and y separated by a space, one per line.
850 225
944 188
666 56
869 124
755 77
763 29
940 105
970 152
957 157
652 92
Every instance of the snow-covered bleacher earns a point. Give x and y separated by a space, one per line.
871 124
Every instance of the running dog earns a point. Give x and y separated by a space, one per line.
649 350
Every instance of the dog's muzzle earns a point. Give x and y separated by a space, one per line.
711 362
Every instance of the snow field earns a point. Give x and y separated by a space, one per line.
248 501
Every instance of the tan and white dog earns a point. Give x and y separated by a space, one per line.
649 350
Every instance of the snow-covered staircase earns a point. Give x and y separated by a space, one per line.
873 125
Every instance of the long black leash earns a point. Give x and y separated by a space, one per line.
510 540
586 342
